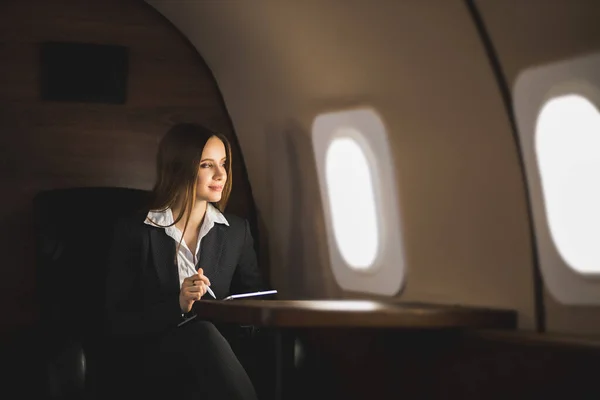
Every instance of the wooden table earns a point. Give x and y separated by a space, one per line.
352 313
287 317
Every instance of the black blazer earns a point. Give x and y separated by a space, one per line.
142 288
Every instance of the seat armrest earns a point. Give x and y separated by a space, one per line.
65 370
37 364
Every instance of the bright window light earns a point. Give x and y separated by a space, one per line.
351 200
567 142
355 169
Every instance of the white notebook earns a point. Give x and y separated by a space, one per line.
253 294
232 297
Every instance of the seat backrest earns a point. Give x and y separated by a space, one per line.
73 230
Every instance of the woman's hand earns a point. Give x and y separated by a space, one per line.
192 289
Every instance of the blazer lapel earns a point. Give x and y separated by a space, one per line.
163 255
211 248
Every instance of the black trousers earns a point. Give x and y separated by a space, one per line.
193 360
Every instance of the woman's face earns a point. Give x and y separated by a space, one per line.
212 175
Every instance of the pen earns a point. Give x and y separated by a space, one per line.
208 289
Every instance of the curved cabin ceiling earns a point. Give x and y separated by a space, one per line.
422 66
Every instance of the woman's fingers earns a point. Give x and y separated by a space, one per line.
202 290
196 291
200 287
197 277
195 286
203 277
192 289
190 280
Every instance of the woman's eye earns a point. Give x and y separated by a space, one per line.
206 165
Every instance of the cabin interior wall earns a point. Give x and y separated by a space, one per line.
422 66
278 67
46 145
528 34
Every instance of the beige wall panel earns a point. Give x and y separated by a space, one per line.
531 33
422 66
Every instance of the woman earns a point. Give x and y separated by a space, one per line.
164 260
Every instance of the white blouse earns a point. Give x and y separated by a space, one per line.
186 260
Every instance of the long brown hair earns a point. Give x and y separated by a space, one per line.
177 168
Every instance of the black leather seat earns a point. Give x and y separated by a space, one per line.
73 230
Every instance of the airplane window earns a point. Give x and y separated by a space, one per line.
558 123
356 180
351 200
567 145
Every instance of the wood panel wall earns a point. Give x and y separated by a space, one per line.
45 145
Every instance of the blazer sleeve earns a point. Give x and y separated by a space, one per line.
247 276
127 313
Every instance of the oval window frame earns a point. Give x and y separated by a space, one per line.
532 88
387 275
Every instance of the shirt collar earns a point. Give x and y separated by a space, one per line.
215 215
165 217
